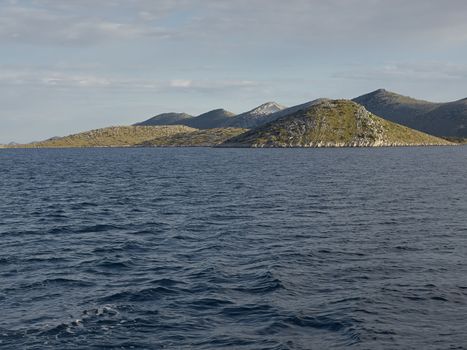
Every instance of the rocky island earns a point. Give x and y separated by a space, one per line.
378 119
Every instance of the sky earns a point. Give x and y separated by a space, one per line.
72 65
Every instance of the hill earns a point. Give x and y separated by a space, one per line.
213 119
332 123
256 117
440 119
138 136
198 138
449 119
117 136
166 119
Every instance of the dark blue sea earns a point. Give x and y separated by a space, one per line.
197 248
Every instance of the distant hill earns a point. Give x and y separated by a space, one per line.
165 119
213 119
332 123
440 119
256 117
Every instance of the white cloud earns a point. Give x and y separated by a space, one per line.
39 78
413 71
180 83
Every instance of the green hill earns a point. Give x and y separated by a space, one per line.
333 123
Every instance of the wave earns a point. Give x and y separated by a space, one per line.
147 294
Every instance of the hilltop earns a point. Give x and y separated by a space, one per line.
255 117
440 119
332 123
165 119
216 118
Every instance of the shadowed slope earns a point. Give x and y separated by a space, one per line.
166 119
213 119
440 119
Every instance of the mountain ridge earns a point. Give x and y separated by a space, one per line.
448 119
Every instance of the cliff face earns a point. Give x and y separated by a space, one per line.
333 123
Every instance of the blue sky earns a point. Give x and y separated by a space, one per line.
70 66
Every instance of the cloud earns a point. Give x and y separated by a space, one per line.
30 77
413 71
223 22
49 26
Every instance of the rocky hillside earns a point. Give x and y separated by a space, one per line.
197 138
332 123
256 117
290 110
139 136
440 119
118 136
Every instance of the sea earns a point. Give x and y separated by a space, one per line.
205 248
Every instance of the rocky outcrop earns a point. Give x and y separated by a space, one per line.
256 117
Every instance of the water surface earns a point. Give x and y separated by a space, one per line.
233 248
